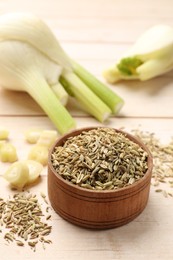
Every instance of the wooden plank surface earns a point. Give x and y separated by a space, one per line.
96 33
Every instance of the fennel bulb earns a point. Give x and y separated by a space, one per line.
33 74
150 56
32 60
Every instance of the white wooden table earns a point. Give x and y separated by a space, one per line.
96 33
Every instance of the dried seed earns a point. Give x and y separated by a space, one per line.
87 186
19 243
107 184
100 155
25 236
79 178
98 188
45 232
42 195
45 200
162 181
85 178
8 236
48 217
99 184
34 236
132 180
48 241
158 190
32 244
162 157
22 216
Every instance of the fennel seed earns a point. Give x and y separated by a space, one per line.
19 243
162 174
21 218
100 155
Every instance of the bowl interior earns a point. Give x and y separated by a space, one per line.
63 139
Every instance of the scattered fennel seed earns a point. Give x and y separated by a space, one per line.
162 174
23 220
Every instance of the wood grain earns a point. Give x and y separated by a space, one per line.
96 33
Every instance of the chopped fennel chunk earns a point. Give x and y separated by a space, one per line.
17 174
47 138
32 135
39 153
4 133
8 153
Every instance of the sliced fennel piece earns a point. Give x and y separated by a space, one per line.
109 97
2 142
47 138
8 153
17 174
85 96
35 169
4 133
153 50
32 135
39 153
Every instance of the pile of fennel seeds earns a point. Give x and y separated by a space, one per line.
23 222
100 159
162 174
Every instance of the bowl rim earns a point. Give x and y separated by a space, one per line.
76 132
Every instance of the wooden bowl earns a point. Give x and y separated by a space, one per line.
98 209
